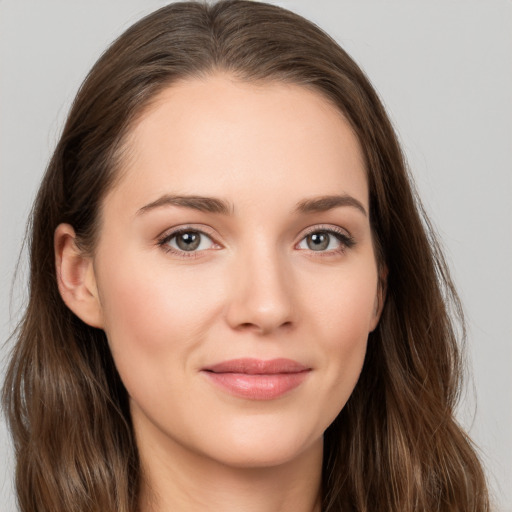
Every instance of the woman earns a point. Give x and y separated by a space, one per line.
235 302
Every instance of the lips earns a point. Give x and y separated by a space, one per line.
257 379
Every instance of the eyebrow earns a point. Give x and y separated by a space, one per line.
220 206
203 204
325 203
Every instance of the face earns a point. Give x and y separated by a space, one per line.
235 270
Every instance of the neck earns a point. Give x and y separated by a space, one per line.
186 482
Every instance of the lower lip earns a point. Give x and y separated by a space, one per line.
257 387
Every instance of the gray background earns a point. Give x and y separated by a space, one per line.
443 69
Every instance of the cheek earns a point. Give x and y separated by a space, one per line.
343 305
154 314
341 320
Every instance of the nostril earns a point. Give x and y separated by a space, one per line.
249 326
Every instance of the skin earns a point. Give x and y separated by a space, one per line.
254 288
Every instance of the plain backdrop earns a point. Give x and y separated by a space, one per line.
443 70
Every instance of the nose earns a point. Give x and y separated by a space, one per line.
261 298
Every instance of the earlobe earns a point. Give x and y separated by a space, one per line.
380 297
76 279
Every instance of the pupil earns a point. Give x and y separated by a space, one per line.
188 241
318 241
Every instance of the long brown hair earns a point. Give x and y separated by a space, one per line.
396 445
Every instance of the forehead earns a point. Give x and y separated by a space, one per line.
221 136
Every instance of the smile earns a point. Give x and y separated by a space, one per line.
256 379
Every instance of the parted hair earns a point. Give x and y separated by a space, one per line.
395 446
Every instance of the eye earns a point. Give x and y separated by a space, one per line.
324 240
187 240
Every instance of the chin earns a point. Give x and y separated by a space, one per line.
265 449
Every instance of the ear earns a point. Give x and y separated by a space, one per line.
380 297
75 277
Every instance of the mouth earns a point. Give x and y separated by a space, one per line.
257 379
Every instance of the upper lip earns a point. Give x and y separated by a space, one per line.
252 366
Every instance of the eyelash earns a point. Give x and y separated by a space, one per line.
346 241
164 240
